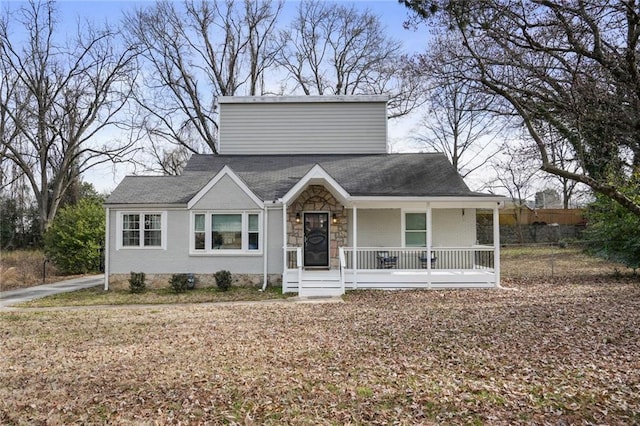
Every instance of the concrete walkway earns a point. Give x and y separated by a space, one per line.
12 297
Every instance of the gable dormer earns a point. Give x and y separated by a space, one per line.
303 125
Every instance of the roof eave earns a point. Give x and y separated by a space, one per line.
487 201
301 99
147 206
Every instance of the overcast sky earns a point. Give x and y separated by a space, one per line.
392 14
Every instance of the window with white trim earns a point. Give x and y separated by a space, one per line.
219 232
141 230
415 230
199 232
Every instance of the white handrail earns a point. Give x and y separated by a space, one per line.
343 265
433 248
299 266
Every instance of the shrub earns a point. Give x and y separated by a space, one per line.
179 283
76 236
136 282
613 232
223 280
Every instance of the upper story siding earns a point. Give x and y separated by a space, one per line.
303 125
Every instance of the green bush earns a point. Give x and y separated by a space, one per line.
613 232
223 280
179 283
75 239
136 282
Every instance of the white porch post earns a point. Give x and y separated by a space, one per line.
354 256
496 244
284 247
429 235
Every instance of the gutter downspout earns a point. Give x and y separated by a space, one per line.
265 247
106 250
284 247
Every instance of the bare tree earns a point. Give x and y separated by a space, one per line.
63 97
572 65
196 52
331 49
458 119
561 153
516 172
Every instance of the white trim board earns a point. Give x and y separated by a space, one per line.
317 175
302 99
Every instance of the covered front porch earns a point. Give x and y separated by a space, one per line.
382 244
394 268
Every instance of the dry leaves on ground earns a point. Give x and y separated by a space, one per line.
550 353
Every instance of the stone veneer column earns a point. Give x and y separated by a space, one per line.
317 198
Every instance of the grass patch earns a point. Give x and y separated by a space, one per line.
552 261
97 296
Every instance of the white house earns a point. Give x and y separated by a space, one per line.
304 191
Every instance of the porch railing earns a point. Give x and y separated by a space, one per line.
342 261
457 258
294 261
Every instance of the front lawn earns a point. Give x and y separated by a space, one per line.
97 296
555 352
552 261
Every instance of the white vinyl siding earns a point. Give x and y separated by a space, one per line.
387 227
452 228
303 128
377 227
179 257
225 195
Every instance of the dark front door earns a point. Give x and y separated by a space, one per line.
316 240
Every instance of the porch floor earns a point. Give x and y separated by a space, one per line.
406 279
327 283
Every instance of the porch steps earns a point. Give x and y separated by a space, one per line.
320 283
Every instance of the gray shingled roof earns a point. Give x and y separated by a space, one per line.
158 189
271 176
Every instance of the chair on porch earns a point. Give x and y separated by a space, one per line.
386 261
424 258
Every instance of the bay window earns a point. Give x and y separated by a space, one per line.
219 232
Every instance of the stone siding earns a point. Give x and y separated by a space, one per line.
317 198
